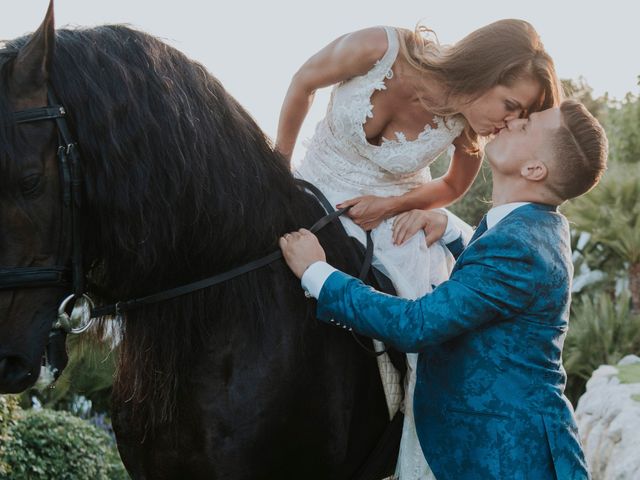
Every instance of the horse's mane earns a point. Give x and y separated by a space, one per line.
180 184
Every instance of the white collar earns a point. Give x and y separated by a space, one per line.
498 213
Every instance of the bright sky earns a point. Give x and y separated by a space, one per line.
254 47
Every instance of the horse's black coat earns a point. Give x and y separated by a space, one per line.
233 382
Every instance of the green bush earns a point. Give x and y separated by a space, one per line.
8 410
602 330
46 444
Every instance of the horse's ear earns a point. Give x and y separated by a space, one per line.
32 65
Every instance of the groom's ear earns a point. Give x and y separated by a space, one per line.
534 171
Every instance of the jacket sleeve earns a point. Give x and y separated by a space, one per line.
492 285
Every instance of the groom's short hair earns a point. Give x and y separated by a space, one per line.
580 149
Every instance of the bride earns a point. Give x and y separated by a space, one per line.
400 100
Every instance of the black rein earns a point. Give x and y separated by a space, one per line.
62 276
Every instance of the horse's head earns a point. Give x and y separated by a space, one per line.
32 237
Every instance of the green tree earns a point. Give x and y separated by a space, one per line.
611 214
580 90
623 130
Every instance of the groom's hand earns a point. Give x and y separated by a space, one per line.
300 249
407 224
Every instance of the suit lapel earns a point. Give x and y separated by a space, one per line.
482 227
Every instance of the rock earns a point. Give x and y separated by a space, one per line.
608 417
629 360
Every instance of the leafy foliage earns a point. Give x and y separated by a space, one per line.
611 215
90 373
604 327
623 128
602 330
45 444
8 409
580 90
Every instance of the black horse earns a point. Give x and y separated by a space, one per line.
236 381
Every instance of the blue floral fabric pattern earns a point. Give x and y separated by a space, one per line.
489 399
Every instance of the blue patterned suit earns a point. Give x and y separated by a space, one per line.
489 400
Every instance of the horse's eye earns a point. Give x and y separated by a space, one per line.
30 185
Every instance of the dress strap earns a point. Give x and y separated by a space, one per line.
386 62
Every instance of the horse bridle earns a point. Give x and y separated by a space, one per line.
61 275
83 310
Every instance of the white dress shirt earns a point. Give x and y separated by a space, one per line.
317 273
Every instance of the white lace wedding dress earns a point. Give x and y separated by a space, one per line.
343 164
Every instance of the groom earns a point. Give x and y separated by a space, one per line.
489 400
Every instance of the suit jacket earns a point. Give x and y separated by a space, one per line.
489 399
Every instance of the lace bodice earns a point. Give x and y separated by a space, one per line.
340 155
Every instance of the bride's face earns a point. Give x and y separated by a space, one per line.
490 112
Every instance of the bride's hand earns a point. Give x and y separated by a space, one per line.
407 224
368 211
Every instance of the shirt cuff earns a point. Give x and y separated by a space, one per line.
452 232
314 277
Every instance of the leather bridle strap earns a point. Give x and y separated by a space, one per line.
72 194
28 277
332 216
121 307
38 114
23 277
368 254
366 262
70 245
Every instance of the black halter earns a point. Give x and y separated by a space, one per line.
70 242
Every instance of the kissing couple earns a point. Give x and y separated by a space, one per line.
484 336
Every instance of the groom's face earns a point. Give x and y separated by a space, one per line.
523 140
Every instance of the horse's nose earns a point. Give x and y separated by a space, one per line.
15 374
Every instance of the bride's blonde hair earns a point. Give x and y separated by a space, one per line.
497 54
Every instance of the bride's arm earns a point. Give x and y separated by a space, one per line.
369 211
445 190
346 57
